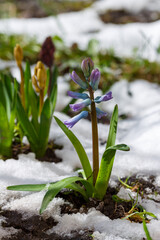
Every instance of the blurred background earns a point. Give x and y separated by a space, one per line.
122 37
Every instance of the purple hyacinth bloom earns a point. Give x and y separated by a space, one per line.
95 78
100 113
87 66
77 95
103 98
78 80
79 106
71 122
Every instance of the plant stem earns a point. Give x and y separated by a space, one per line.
22 86
50 82
94 137
41 100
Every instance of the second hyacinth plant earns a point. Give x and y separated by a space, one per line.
95 179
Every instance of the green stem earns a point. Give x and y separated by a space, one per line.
50 81
94 137
41 100
22 86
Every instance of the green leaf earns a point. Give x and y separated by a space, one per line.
27 187
53 81
110 151
27 126
106 168
2 96
47 81
27 79
79 149
9 86
45 123
34 106
146 230
113 128
54 189
150 214
53 98
5 133
13 109
7 102
108 157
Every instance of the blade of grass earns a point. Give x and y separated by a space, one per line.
79 149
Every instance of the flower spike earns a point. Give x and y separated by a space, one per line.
103 98
78 106
77 95
78 80
71 122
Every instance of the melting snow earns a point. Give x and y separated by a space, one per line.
139 100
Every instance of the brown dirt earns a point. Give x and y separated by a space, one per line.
141 185
108 206
49 156
123 16
34 228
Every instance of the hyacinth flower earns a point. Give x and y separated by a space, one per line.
95 180
92 77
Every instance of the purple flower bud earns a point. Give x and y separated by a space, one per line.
100 113
103 98
77 95
78 106
95 78
78 80
71 122
87 67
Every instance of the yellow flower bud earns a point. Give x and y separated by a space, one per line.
40 77
18 54
34 82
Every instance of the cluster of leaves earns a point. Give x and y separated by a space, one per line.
28 120
8 100
36 127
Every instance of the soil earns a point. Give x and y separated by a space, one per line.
49 156
143 185
34 228
108 206
123 16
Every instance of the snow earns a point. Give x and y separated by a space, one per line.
139 100
140 132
